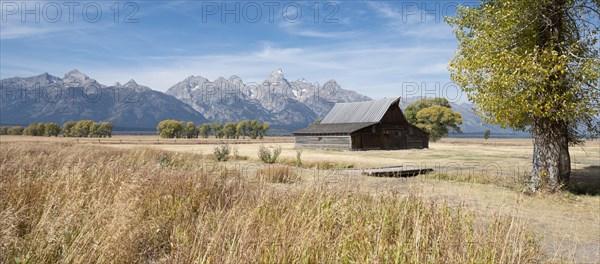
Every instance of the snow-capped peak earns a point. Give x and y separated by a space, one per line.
131 84
76 75
277 73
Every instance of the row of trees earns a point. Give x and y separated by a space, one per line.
87 128
83 128
11 130
42 129
230 130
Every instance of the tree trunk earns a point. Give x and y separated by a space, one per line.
551 159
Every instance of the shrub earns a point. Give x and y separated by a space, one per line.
221 152
164 159
265 154
486 134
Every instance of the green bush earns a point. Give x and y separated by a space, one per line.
221 152
267 156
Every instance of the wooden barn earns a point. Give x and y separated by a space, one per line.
363 126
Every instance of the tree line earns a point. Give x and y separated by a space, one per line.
230 130
83 128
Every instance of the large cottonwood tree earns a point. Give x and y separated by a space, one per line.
534 66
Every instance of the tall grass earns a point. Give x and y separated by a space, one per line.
277 174
74 204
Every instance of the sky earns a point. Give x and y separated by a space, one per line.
377 48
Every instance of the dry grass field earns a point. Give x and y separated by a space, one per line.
145 199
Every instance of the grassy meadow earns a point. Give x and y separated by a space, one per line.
131 199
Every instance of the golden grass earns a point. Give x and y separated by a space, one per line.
81 204
495 157
277 174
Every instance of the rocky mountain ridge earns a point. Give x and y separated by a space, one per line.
287 105
47 98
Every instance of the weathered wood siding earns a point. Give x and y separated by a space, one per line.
324 142
416 138
400 135
394 116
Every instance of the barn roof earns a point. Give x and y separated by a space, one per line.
345 118
346 128
359 112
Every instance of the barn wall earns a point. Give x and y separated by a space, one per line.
394 115
371 141
367 138
323 142
404 136
416 138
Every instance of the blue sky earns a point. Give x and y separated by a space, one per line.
378 48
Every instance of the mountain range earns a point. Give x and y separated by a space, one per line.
286 105
47 98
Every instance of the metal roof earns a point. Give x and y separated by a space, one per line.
346 128
359 112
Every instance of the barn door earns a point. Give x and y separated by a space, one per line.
357 141
402 139
390 139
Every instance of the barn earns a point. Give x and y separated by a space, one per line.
367 125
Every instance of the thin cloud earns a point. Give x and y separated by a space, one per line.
16 31
385 10
274 53
298 29
410 20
